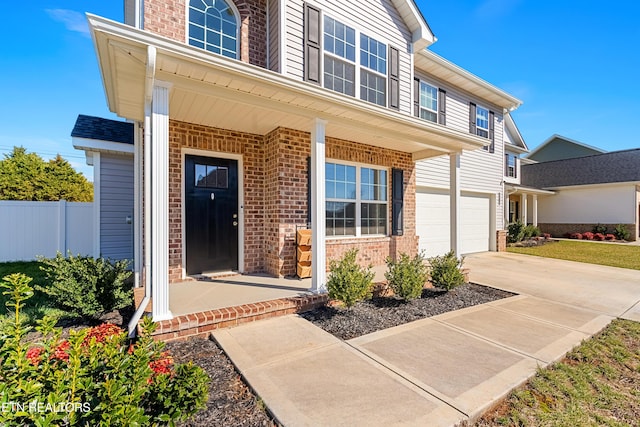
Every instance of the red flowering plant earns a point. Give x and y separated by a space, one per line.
609 236
97 374
587 235
598 237
575 236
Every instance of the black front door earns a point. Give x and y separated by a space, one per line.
211 214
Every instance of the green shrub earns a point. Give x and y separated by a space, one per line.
95 377
621 232
348 282
530 231
407 276
599 228
446 271
515 232
86 286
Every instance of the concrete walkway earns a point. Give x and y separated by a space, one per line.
437 371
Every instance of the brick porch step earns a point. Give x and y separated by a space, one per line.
201 324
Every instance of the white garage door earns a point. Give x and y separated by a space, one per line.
432 222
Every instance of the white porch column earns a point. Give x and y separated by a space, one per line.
523 208
454 201
534 208
160 201
318 213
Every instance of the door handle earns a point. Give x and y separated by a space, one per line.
235 223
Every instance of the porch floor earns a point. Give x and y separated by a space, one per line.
201 306
210 293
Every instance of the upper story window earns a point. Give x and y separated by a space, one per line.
356 200
213 25
428 102
373 71
341 63
511 165
482 121
340 57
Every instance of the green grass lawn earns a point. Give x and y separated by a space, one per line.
625 256
597 384
39 304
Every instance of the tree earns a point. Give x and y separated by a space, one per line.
26 176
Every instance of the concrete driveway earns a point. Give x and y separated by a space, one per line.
608 290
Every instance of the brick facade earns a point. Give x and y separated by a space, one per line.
275 194
168 18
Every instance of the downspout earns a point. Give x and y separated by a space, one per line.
148 97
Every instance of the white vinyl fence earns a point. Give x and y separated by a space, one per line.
30 229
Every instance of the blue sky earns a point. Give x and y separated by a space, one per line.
574 64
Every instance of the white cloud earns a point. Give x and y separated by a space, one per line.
74 21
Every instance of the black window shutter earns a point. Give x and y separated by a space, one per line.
472 118
516 162
492 146
416 97
394 78
309 192
312 39
506 164
397 202
442 106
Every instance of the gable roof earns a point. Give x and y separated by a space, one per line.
617 166
458 77
90 127
422 36
515 135
580 148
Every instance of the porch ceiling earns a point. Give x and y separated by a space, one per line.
215 91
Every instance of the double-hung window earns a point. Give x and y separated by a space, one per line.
356 200
482 122
339 57
511 165
373 70
428 102
363 76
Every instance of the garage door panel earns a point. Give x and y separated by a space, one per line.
432 222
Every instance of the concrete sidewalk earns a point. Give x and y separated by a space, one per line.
435 371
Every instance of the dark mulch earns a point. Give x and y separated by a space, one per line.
381 313
231 402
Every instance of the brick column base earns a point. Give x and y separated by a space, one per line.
501 237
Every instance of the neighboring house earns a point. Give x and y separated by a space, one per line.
597 189
559 147
108 145
254 116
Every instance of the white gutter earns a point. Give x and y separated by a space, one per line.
148 96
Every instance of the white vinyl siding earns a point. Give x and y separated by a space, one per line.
377 19
480 171
116 204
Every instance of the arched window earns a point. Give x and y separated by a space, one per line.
213 25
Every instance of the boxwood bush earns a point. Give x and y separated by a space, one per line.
446 271
348 282
85 286
407 276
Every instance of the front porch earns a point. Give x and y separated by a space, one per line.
209 303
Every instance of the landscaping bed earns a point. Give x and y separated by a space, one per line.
380 313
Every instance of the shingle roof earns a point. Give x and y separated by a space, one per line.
617 166
103 129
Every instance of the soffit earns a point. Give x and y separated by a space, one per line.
215 91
